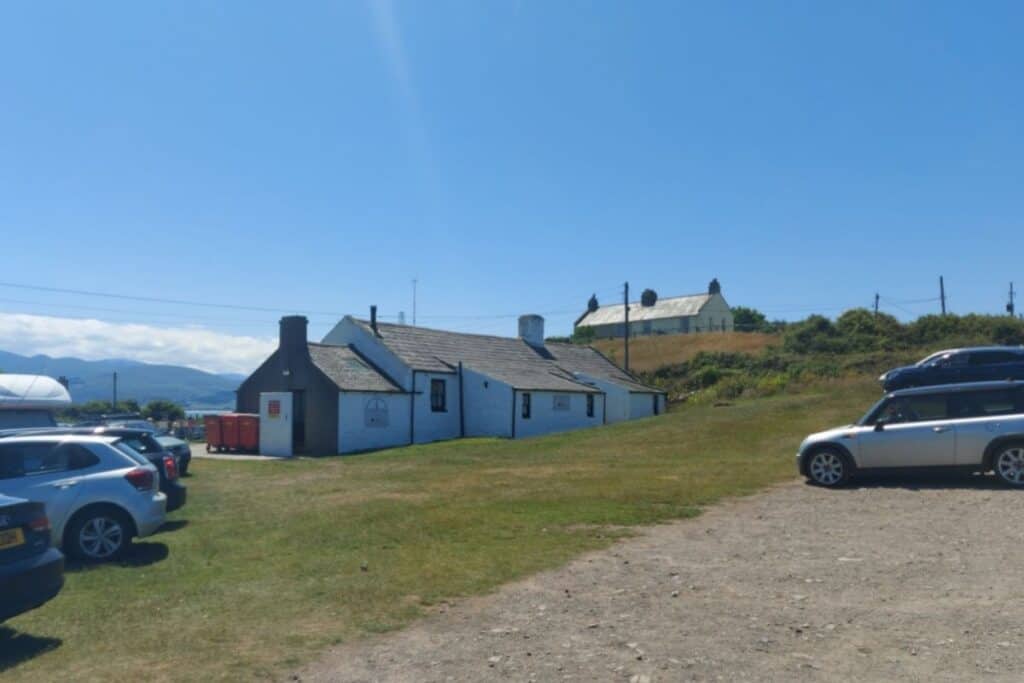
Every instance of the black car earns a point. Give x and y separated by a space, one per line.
179 448
953 366
140 440
31 571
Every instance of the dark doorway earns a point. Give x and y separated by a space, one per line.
299 421
655 397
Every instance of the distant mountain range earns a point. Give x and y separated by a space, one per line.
93 379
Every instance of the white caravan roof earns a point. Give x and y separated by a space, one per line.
32 392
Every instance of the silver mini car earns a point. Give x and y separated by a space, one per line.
977 427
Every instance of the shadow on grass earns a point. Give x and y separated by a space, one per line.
926 480
17 647
172 525
138 555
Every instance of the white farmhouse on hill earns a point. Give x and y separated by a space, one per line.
673 315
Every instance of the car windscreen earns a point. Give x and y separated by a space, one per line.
935 356
130 452
133 424
142 443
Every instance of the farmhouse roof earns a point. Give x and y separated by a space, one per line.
345 367
590 361
671 307
506 359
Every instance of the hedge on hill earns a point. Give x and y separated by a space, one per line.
857 343
860 330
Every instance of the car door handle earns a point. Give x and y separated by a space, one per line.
939 430
65 484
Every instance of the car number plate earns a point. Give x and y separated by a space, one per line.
11 538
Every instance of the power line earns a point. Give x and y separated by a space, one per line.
159 300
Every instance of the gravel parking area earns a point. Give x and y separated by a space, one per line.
912 579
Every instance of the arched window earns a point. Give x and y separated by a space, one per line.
376 413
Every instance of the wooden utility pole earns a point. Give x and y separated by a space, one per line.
942 294
1010 308
625 300
876 303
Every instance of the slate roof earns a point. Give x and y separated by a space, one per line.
507 359
590 361
671 307
349 370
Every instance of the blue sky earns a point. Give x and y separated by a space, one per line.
512 156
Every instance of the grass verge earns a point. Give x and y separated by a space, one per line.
270 563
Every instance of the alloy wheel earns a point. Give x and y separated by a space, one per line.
1010 465
826 468
101 537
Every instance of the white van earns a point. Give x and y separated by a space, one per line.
30 400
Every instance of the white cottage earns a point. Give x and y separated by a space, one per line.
372 385
672 315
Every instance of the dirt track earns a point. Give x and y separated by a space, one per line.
910 579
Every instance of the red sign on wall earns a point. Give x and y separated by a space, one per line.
274 408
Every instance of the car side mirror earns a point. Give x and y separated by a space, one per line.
880 426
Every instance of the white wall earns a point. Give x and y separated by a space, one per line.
616 400
544 419
488 405
354 432
712 314
347 331
431 426
642 405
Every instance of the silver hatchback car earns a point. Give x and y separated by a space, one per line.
976 426
98 492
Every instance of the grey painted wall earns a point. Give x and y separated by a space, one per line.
321 397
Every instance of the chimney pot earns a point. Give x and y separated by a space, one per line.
373 320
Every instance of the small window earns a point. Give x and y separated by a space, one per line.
130 452
590 405
953 360
993 357
11 465
985 403
560 402
526 406
438 395
914 409
48 458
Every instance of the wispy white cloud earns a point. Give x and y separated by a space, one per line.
194 347
389 35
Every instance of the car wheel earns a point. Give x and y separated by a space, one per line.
828 468
99 535
1009 463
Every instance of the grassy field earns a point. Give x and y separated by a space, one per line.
271 562
650 353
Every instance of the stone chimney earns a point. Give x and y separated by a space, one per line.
531 329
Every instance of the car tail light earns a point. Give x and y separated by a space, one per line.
40 523
140 478
171 467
